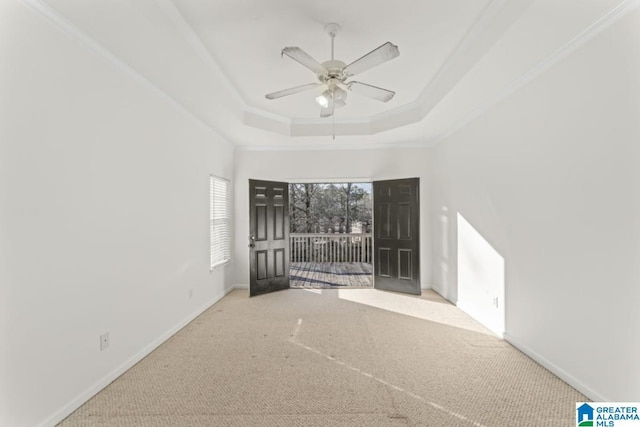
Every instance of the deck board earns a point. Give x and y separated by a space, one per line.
331 274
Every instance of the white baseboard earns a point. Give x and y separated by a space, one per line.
75 403
245 286
438 291
551 367
557 371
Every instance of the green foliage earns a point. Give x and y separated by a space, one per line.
330 208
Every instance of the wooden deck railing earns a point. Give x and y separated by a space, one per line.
330 247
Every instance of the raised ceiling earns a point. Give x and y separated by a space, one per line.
217 59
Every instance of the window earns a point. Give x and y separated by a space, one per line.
220 221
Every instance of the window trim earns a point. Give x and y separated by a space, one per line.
225 220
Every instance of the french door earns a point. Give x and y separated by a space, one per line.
396 240
269 236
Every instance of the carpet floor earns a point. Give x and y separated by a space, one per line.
333 357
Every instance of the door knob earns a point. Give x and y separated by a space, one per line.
252 240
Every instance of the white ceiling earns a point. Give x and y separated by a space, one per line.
216 59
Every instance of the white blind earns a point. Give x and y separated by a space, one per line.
220 216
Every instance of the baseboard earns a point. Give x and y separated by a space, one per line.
551 367
557 371
438 291
75 403
240 287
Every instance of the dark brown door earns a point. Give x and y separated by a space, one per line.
269 236
396 222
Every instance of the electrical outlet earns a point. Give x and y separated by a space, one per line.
104 341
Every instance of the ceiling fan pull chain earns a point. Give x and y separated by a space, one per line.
333 126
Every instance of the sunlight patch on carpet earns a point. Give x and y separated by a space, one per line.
439 312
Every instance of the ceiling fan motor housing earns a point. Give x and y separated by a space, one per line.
334 69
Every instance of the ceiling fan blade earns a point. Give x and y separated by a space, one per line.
303 58
328 112
374 92
291 91
379 55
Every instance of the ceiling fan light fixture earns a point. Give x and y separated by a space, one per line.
339 95
323 99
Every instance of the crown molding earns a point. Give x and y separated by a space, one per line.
193 39
338 146
619 11
485 31
67 27
470 49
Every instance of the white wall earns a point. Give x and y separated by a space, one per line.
103 220
550 178
104 214
291 166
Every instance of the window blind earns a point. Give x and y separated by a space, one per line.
220 224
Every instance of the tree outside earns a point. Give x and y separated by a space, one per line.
330 208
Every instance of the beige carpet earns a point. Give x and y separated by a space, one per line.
352 357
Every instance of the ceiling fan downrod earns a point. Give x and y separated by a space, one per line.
332 29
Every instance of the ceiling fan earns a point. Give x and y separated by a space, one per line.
333 75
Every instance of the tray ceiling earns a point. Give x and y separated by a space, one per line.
217 59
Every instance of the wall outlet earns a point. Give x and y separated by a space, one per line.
104 341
